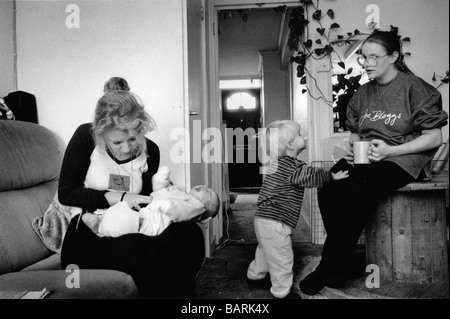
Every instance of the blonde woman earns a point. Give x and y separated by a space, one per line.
110 161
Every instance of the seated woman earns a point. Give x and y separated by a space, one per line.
111 160
401 116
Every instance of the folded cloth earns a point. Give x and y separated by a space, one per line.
52 226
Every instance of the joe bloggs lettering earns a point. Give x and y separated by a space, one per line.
388 118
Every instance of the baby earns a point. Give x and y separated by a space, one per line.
169 204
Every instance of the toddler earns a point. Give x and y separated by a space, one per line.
279 205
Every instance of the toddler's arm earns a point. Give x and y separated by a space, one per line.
308 176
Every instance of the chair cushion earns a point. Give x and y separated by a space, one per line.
93 283
51 263
30 162
30 154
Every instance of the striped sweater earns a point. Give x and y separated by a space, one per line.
281 194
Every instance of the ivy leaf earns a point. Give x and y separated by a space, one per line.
330 13
356 32
319 51
341 64
407 53
282 8
394 30
300 71
407 39
359 51
349 34
304 91
303 80
308 43
434 77
340 37
334 26
320 30
445 80
350 70
318 41
372 25
317 14
328 49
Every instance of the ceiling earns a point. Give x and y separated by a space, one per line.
242 34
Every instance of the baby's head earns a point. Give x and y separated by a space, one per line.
209 198
281 137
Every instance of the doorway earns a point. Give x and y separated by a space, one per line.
242 115
250 48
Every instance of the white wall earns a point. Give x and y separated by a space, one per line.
6 48
425 22
65 68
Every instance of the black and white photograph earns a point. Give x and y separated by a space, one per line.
218 158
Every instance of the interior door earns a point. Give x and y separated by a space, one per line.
196 90
242 114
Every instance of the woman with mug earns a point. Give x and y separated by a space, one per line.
401 115
109 161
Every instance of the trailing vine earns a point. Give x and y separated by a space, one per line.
444 79
323 47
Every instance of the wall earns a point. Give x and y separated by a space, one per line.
6 48
275 88
425 22
240 42
65 68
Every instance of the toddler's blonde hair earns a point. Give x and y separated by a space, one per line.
278 135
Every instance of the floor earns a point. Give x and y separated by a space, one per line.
223 276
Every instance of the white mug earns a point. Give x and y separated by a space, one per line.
361 152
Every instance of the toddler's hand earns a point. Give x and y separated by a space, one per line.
339 175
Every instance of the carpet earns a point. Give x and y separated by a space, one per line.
223 276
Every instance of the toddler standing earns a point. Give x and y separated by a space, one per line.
278 207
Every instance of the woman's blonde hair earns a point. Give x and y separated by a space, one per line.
121 110
278 135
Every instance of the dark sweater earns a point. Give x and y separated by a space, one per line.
71 190
409 106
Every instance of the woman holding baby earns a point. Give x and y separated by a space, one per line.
109 161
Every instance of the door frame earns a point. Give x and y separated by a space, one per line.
212 8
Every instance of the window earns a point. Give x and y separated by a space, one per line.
240 100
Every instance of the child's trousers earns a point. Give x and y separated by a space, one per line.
274 254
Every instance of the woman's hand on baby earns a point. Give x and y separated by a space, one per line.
135 199
132 199
339 175
378 150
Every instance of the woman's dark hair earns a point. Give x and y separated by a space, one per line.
116 83
391 43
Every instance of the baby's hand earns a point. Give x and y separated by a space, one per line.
339 175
